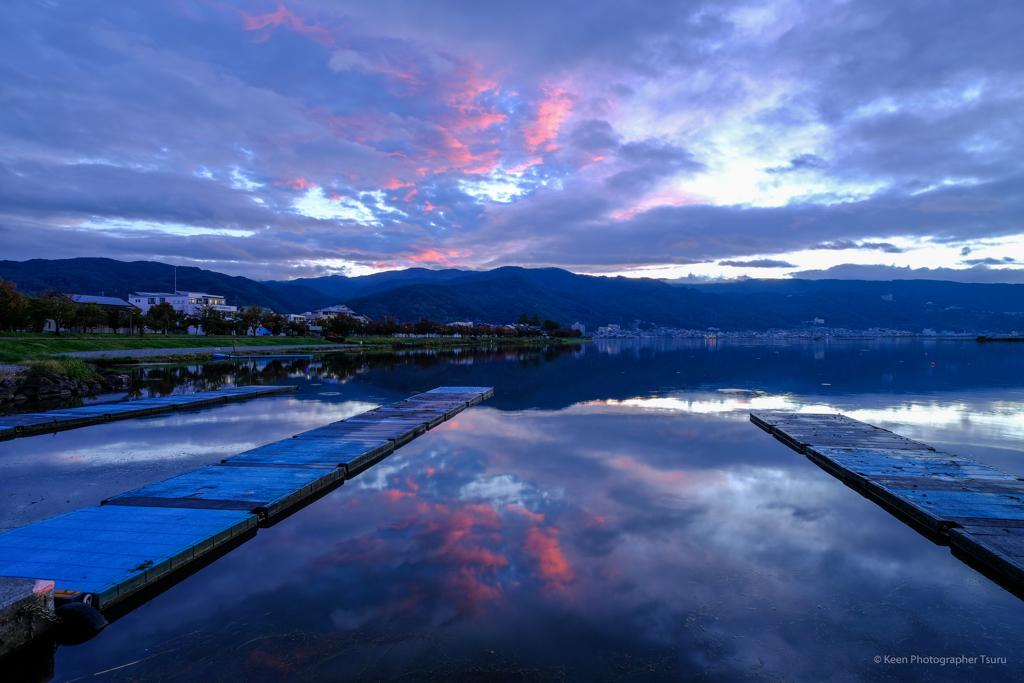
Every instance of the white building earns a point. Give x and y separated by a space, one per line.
146 300
581 327
187 302
332 312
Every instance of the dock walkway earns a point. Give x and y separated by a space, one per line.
978 510
143 536
13 426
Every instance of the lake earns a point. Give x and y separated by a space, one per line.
609 515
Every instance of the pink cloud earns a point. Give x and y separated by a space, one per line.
443 258
298 184
551 563
551 111
285 17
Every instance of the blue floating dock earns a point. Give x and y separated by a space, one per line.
976 509
399 432
347 454
73 418
113 551
144 535
265 491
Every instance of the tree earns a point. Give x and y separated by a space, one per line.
344 325
220 324
385 327
523 320
189 320
37 312
137 320
535 320
162 317
114 318
427 326
117 319
251 319
90 316
208 318
550 326
62 310
13 306
274 323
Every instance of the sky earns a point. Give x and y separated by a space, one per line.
679 140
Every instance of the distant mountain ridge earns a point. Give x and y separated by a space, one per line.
342 287
503 294
119 278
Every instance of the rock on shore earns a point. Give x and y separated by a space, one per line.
59 387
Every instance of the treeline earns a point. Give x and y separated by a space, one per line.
164 318
22 312
344 326
29 313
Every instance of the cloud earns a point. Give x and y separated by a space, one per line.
850 271
648 162
843 244
594 135
800 163
758 263
656 135
989 261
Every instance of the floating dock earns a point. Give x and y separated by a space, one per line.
976 509
28 424
145 536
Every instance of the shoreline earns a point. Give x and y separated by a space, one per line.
171 350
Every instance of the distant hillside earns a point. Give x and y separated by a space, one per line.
503 294
341 287
118 278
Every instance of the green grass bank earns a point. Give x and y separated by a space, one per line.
15 348
19 347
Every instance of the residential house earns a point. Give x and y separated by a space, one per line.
317 319
334 311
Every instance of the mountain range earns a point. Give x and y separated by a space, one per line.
104 276
503 294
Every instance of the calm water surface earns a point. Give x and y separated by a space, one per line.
610 514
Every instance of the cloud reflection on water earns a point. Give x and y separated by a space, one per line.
657 525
